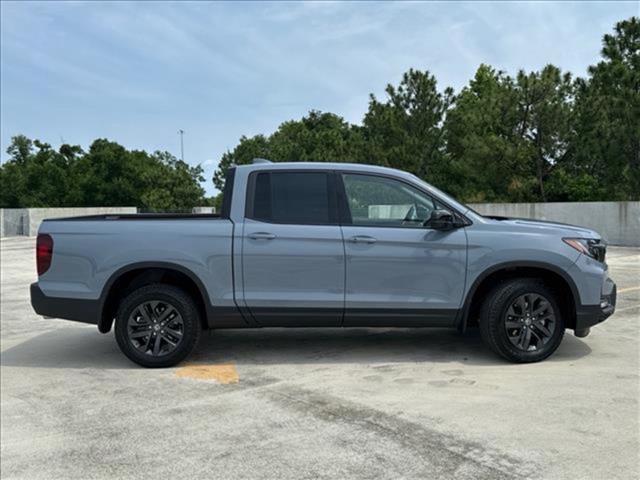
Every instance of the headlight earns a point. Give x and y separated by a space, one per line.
590 247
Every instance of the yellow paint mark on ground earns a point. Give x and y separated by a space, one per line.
629 289
225 373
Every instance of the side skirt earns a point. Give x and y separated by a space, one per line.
414 317
331 317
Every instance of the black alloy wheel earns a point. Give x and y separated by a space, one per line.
155 328
521 320
158 325
530 322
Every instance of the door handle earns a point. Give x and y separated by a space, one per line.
362 239
262 236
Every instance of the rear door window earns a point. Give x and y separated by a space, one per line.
304 198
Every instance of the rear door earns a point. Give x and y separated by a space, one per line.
292 249
399 272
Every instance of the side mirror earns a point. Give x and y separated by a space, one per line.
441 220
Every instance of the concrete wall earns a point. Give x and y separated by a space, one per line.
25 221
13 221
617 222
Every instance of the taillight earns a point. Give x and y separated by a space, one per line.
44 252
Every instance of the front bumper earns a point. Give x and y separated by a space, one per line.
590 315
76 309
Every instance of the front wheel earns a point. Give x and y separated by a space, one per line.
157 326
521 321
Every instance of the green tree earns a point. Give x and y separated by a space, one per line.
106 175
35 175
110 175
20 149
170 184
246 150
545 106
607 117
319 137
405 131
488 159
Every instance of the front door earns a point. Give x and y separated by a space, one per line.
399 272
292 249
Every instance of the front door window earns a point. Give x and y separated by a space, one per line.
385 202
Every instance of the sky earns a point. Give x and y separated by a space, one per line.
136 73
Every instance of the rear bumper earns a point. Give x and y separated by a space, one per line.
590 315
76 309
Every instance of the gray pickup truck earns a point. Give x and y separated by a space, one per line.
323 245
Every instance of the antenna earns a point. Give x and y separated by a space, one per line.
257 161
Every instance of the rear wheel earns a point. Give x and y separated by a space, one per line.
521 321
157 326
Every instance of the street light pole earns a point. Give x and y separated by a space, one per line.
181 132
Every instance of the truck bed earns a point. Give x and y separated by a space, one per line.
90 251
138 216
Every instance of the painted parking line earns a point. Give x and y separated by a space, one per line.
221 373
629 289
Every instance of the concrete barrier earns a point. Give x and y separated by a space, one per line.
617 222
14 222
26 221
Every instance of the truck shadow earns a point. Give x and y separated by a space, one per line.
82 347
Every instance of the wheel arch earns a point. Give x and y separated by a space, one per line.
133 276
556 277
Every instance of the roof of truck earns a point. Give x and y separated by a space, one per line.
362 167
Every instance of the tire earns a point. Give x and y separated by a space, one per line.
157 326
515 307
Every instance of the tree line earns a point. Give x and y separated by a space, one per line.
535 136
106 175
